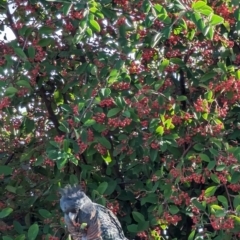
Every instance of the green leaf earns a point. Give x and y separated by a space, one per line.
6 170
11 91
31 52
66 144
45 30
215 178
210 191
33 231
220 213
160 130
191 236
45 42
105 92
237 74
104 142
61 162
18 227
44 213
66 8
235 178
207 76
24 83
196 18
138 217
204 157
107 158
223 200
211 165
236 201
112 112
89 122
58 97
5 212
20 53
215 20
94 25
133 228
173 209
198 5
102 187
6 238
163 65
198 205
150 198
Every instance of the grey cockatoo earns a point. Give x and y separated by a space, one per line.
87 220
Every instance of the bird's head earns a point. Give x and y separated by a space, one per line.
72 201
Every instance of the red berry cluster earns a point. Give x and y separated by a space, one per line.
5 102
59 139
101 149
22 92
194 177
114 207
154 145
234 187
107 103
148 54
134 68
69 27
82 146
117 122
121 21
142 235
173 53
76 14
53 238
40 53
221 223
49 162
90 134
180 198
174 39
226 12
208 200
171 219
121 86
201 105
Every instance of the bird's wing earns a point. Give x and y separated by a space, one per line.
110 226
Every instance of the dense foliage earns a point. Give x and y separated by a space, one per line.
138 101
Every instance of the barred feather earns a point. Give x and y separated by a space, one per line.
102 224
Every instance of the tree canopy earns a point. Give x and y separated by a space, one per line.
135 100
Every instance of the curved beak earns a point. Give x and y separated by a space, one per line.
73 217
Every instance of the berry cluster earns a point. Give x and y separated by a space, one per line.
142 235
117 122
5 102
171 219
107 103
101 149
114 207
221 223
82 146
121 86
148 54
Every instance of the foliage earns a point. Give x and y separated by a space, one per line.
138 101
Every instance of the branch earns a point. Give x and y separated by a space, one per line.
51 113
9 159
10 19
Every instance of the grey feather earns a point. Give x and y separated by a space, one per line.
78 208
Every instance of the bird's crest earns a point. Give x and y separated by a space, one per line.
71 191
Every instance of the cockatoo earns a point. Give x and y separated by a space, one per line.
87 220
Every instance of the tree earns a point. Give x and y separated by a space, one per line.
138 101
